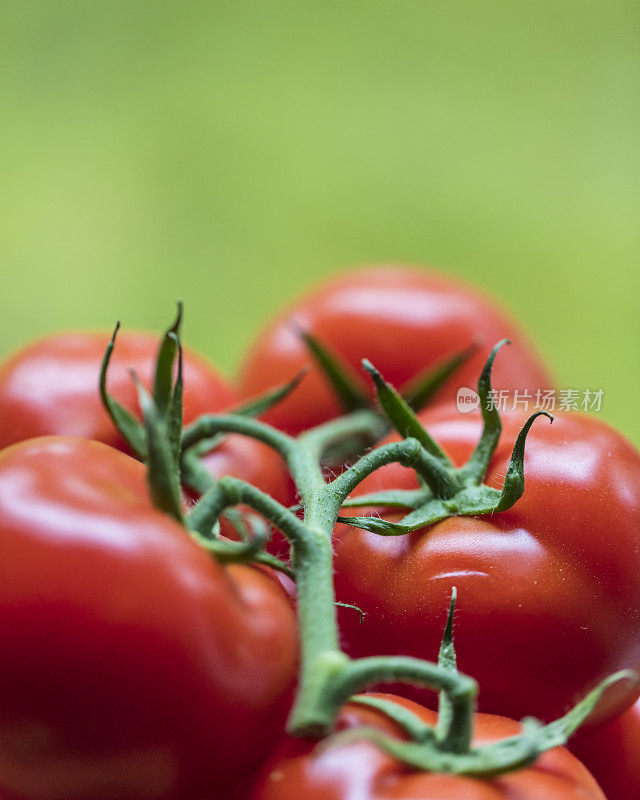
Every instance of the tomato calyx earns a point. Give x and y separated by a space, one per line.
351 391
446 747
446 491
157 441
167 399
356 403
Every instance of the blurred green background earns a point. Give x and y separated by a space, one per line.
232 153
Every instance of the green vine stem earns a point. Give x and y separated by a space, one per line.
328 677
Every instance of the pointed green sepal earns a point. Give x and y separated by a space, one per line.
447 652
163 473
163 380
402 416
262 403
513 487
392 498
174 411
421 390
476 467
377 525
252 408
447 660
343 380
560 731
129 427
167 394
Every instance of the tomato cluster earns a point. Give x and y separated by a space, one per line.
150 648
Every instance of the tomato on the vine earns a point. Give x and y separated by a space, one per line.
549 591
50 387
132 665
612 753
404 319
300 768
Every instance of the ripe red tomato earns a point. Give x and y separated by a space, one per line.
612 753
548 592
404 320
50 387
132 665
359 770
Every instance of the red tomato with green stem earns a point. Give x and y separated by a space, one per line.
50 387
360 771
612 753
549 590
132 664
404 319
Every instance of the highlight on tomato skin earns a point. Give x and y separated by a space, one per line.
612 753
132 664
50 387
404 319
360 771
547 607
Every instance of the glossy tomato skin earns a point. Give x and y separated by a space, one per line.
548 592
132 665
612 753
403 319
359 771
50 387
